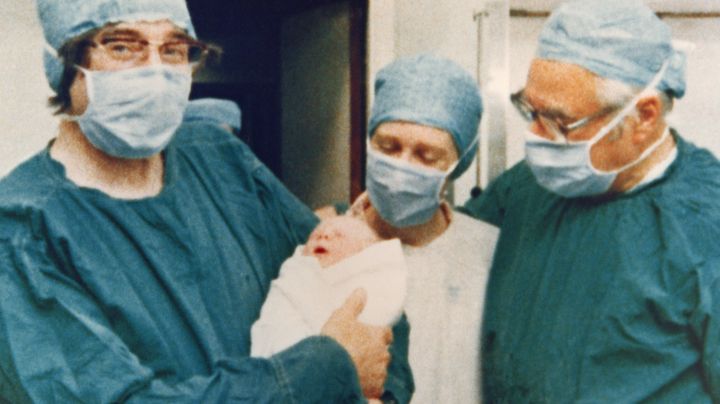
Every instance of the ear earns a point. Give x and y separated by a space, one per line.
648 116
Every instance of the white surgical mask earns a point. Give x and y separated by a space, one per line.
134 113
566 168
405 194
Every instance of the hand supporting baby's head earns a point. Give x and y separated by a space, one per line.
337 238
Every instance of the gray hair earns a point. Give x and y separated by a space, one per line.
614 93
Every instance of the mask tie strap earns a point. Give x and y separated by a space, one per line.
640 158
462 156
629 106
50 50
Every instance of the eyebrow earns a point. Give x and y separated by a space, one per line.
424 147
128 32
120 32
556 113
181 35
431 148
553 111
384 132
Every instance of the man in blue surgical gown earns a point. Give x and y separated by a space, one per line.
135 253
605 285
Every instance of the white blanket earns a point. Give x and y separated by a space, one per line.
304 295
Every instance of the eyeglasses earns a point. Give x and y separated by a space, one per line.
130 50
530 114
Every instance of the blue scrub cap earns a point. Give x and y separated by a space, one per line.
66 19
213 110
432 91
617 39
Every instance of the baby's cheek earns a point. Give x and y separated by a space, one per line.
307 250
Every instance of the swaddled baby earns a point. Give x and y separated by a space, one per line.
342 254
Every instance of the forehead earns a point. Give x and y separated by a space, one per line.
553 85
344 223
414 134
146 29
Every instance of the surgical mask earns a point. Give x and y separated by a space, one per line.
134 113
405 194
566 168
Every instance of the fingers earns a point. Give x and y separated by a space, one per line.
382 335
326 212
385 360
357 209
366 344
387 335
375 379
355 303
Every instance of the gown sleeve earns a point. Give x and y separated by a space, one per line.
57 345
491 205
294 215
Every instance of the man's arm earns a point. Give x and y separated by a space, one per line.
490 206
56 345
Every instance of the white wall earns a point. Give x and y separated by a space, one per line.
381 40
315 104
657 5
696 115
26 124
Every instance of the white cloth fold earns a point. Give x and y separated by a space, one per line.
304 295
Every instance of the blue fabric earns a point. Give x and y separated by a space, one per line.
151 300
63 20
53 69
214 110
605 301
431 91
618 39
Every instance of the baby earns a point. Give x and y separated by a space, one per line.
342 254
337 238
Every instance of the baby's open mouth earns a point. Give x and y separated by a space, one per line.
320 250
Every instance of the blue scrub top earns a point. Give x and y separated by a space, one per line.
151 300
605 300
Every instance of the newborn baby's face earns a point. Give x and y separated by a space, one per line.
337 238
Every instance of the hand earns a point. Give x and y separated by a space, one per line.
358 208
326 212
367 345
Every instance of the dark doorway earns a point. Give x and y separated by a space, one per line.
250 71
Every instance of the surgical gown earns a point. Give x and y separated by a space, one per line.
151 300
605 301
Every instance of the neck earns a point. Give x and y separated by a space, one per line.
415 236
87 166
627 179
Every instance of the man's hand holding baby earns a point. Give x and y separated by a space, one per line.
367 345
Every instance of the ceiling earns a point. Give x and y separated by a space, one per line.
674 6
